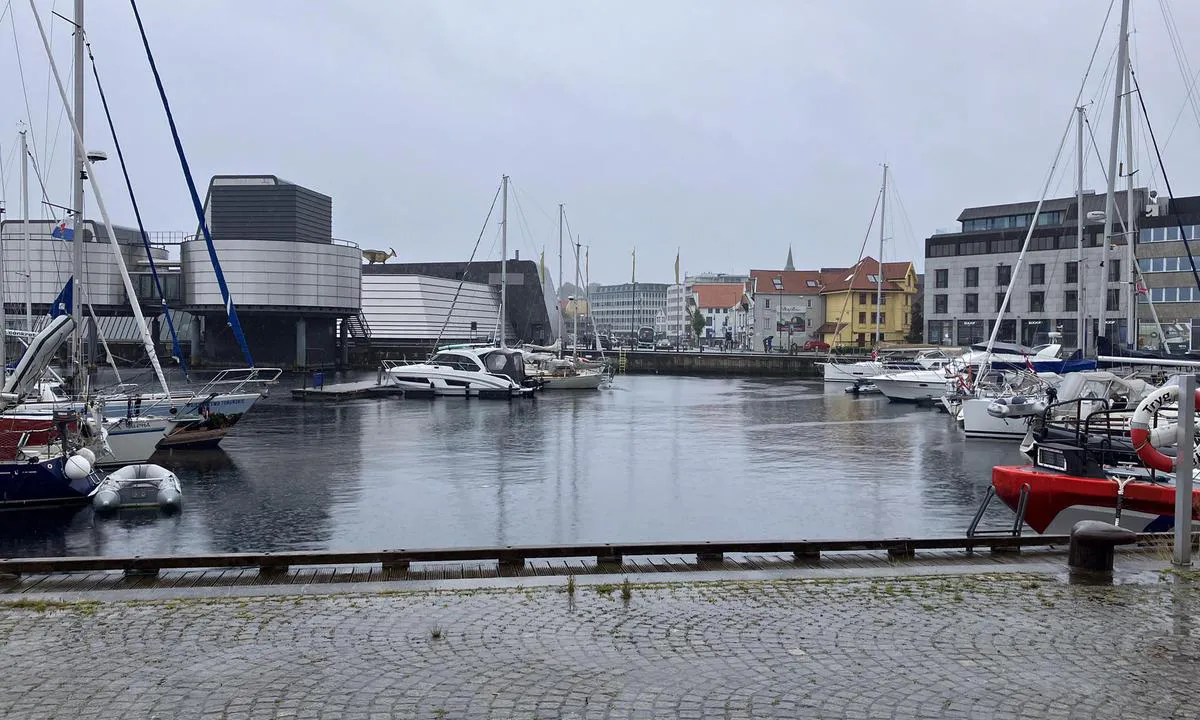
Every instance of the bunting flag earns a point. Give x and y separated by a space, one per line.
676 266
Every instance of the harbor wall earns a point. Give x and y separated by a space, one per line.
725 364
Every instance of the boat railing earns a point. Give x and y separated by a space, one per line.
236 380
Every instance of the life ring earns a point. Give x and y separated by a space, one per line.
1146 441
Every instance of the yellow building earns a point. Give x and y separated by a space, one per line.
850 302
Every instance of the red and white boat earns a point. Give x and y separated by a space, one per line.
1068 482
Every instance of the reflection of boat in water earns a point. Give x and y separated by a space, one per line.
195 461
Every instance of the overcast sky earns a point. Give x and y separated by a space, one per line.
729 129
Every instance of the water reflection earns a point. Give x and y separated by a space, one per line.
653 458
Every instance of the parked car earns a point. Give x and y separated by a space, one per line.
664 344
815 346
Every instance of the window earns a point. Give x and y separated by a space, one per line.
1070 338
862 298
1037 301
1113 301
943 250
972 277
1006 245
811 283
1071 301
999 301
971 302
1042 243
974 247
971 331
1072 273
1050 218
768 305
1114 270
1037 274
862 318
941 278
883 318
1003 275
939 304
873 318
941 332
873 278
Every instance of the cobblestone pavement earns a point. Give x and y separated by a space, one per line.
953 647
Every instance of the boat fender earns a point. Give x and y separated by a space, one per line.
77 467
87 454
1147 441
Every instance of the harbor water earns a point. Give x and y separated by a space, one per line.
652 458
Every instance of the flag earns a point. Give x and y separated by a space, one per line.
542 267
62 232
676 266
634 266
1029 365
587 256
64 303
1140 287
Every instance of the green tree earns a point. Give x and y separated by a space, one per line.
916 332
698 324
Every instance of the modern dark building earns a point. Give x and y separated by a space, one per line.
290 280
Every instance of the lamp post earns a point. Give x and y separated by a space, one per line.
777 281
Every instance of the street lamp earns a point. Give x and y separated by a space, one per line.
777 281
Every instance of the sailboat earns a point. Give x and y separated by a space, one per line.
566 373
485 370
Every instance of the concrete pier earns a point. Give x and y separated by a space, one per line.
725 364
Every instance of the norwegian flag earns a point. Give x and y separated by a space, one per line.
1140 288
874 355
1029 365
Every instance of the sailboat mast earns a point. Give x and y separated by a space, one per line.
80 169
1110 199
558 300
575 340
879 277
25 240
503 255
1131 225
1080 304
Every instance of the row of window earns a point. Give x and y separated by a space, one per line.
1037 274
1167 264
1036 302
1169 234
1173 294
942 248
862 318
1006 222
1029 332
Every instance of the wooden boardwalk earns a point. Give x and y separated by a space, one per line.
672 568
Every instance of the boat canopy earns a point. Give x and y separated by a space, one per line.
1100 384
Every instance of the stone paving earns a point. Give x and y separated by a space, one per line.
983 646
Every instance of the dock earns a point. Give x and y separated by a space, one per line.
346 391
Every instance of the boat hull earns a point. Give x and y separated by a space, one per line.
1057 501
439 381
980 425
910 390
851 372
134 442
42 483
582 381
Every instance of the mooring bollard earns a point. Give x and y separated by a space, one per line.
1092 544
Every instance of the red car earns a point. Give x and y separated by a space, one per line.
815 346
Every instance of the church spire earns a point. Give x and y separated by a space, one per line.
789 266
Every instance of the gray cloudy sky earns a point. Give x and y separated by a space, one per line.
731 129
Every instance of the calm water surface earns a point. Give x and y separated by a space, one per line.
653 458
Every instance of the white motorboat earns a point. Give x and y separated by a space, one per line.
913 385
464 372
139 486
866 369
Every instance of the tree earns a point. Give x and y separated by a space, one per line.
698 324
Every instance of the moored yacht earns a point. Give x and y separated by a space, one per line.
486 371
